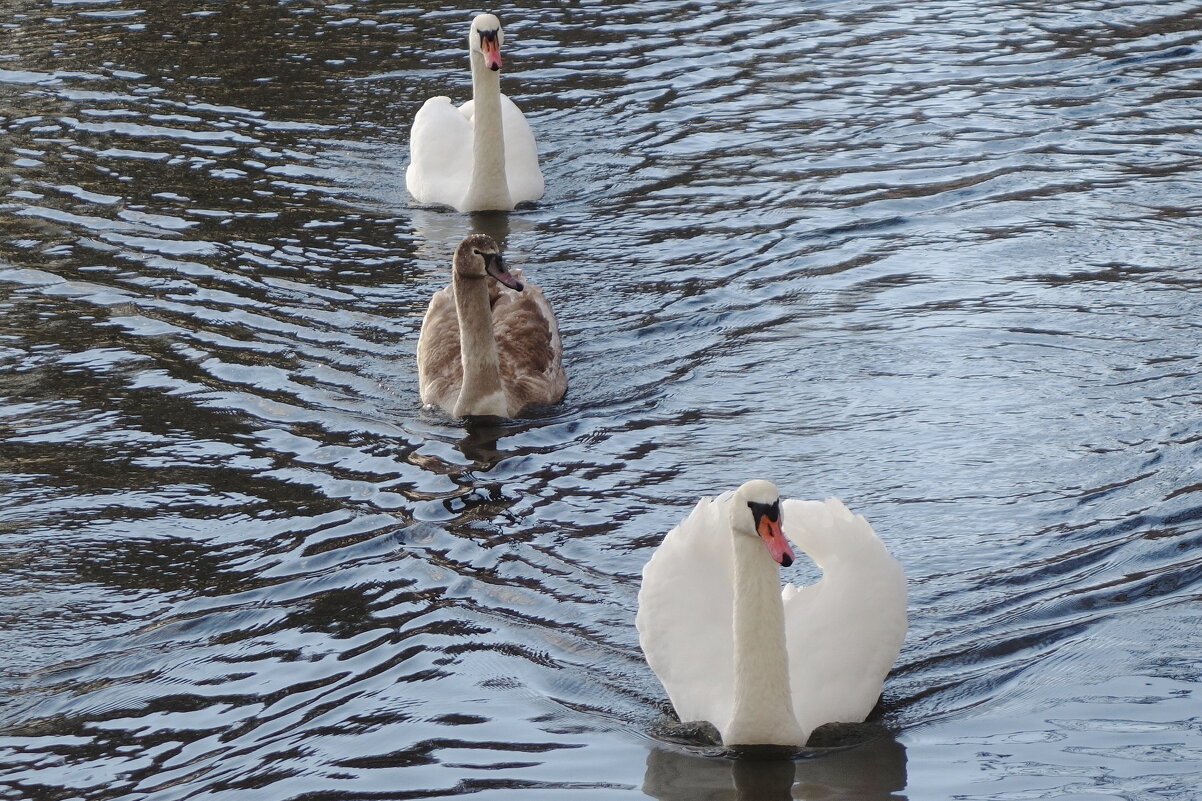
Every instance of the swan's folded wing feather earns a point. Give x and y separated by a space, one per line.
842 639
522 174
686 612
440 154
529 350
439 367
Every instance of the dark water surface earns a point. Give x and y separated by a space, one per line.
940 259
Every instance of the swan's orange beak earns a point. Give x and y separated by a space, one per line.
775 540
492 51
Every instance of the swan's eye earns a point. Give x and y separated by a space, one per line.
769 510
491 259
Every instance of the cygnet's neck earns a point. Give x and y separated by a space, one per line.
489 187
763 704
481 392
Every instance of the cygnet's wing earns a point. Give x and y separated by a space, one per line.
529 350
439 366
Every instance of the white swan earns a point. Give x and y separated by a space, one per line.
481 156
767 666
484 348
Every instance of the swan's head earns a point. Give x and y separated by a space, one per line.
479 257
486 39
755 511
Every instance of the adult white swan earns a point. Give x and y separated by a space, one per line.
489 344
767 666
481 156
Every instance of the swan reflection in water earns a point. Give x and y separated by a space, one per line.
435 233
479 442
867 772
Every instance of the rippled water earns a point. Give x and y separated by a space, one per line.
939 259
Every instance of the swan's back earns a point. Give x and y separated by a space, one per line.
685 615
522 173
857 611
441 157
440 154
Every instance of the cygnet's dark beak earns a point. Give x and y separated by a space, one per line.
494 265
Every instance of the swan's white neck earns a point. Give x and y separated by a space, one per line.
481 393
489 188
763 704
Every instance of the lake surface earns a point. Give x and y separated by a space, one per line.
938 259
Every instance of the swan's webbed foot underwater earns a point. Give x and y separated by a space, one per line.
694 732
845 735
829 735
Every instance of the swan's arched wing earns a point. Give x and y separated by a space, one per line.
439 367
685 614
844 632
524 177
440 154
529 351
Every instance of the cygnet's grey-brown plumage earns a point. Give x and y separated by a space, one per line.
489 343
